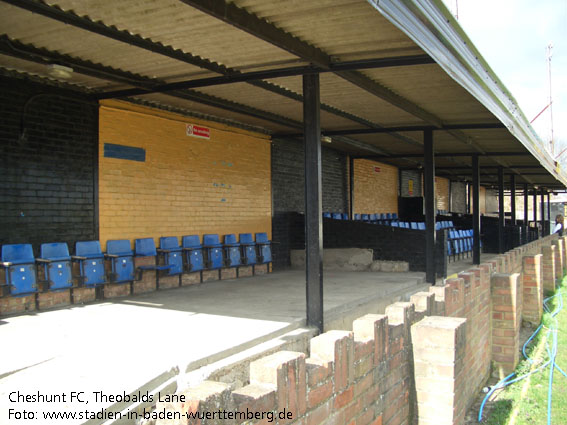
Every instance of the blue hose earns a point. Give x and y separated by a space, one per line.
552 353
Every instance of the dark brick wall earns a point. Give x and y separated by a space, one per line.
387 243
288 190
288 187
48 185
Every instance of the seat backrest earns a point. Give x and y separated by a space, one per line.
230 239
57 250
88 249
169 242
191 241
18 253
119 247
344 216
388 216
262 238
365 217
246 239
337 216
395 224
145 247
413 225
357 217
211 240
327 215
373 217
421 225
394 216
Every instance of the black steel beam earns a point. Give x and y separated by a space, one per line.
242 19
408 128
271 74
476 209
513 199
549 209
45 57
313 202
419 155
429 195
85 23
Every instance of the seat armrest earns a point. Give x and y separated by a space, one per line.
6 263
42 260
161 250
78 258
111 255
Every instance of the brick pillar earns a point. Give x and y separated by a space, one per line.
439 360
564 239
506 321
532 289
548 263
559 265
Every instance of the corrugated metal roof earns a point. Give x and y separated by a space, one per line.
148 42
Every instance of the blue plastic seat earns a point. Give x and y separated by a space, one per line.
337 216
146 247
193 253
213 249
413 225
357 217
394 216
19 262
327 215
344 216
264 248
121 260
373 218
421 225
169 247
232 251
91 263
365 217
248 248
395 224
57 265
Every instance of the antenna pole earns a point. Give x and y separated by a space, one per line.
549 56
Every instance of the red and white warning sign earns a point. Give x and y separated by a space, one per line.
377 169
198 131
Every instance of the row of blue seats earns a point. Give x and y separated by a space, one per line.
459 242
336 216
21 266
375 218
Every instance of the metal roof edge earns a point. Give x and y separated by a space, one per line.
433 28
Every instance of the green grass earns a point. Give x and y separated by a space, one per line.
525 402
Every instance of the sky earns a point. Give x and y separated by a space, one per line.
512 36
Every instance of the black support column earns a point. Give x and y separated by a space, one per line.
549 211
526 205
313 201
351 185
429 194
542 199
500 209
535 208
476 209
513 199
525 232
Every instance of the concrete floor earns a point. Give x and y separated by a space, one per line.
140 342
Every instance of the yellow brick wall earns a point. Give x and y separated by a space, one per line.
375 187
186 185
442 193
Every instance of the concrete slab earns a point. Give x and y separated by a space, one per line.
138 343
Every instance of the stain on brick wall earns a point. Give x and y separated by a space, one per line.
186 185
